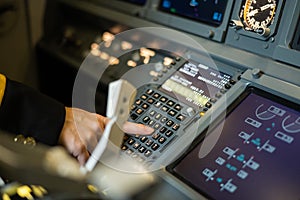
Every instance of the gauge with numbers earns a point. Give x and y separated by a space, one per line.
258 15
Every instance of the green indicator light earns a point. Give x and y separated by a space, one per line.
173 10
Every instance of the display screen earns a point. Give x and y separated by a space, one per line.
195 84
138 2
210 12
255 157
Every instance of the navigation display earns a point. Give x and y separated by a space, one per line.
138 2
255 157
195 84
207 11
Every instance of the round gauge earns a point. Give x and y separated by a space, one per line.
258 14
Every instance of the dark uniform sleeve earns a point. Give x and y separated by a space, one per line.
28 112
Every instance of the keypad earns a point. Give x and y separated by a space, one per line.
160 112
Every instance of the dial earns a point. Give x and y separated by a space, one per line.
258 14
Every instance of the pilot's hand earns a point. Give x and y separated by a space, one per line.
82 130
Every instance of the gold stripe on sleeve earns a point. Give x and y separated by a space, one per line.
2 86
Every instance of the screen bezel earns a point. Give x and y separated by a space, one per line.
170 168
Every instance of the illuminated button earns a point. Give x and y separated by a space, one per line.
124 147
133 107
149 142
208 105
163 99
138 102
151 122
142 149
157 116
178 107
131 141
143 139
148 153
149 92
170 103
163 120
180 117
202 113
170 123
139 111
146 119
155 146
157 104
162 140
155 136
163 129
156 126
156 95
177 58
150 100
144 97
145 106
152 113
172 113
176 127
169 133
136 145
164 108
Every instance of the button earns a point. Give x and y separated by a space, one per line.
178 107
149 92
151 122
164 108
133 107
142 149
162 140
223 91
148 153
163 120
213 100
146 119
152 113
138 102
163 129
143 139
172 113
156 126
155 136
150 100
157 116
190 111
144 97
176 127
145 106
227 86
149 142
169 133
155 146
139 111
180 117
170 103
163 99
136 145
169 123
124 147
156 95
218 95
133 116
157 104
232 82
208 105
131 141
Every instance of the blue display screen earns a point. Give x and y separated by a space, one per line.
207 11
256 155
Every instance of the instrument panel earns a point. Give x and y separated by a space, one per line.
247 97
